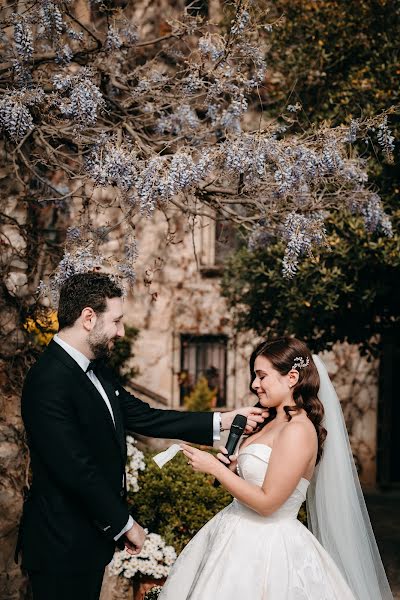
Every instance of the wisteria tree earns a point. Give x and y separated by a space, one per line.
321 55
162 111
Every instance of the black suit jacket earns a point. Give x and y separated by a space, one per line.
76 504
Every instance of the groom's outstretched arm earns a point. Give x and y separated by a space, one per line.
55 441
195 427
139 417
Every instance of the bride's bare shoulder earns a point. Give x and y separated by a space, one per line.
300 430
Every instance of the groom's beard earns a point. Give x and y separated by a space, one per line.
100 345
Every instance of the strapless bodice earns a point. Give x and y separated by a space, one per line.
252 466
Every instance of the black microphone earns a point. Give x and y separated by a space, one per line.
236 430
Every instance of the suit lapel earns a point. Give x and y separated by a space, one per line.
69 362
119 426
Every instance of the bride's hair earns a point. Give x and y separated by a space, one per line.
282 354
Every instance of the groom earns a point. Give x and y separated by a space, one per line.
76 416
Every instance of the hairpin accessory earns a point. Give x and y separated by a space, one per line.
300 363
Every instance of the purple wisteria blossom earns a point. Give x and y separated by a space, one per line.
211 48
51 20
301 233
241 22
373 213
352 132
23 37
260 236
15 118
385 138
161 179
183 119
247 155
83 100
109 164
113 41
175 123
131 248
64 54
74 234
128 272
147 190
82 260
230 118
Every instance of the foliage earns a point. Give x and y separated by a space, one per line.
43 327
122 353
174 501
153 593
339 63
339 60
347 292
201 397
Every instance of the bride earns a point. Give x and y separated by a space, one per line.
256 549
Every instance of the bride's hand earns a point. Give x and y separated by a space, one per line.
230 461
203 462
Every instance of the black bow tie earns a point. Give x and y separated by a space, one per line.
93 366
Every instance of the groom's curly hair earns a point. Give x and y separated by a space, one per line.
85 290
282 354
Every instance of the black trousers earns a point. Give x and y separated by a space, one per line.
61 586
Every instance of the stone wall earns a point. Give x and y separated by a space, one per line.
356 382
13 457
12 476
188 302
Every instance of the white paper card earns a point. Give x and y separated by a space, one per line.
163 457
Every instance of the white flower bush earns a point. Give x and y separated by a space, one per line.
155 559
135 464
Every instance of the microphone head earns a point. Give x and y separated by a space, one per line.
239 423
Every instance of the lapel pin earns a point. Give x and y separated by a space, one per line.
116 392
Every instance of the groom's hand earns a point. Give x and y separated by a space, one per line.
134 539
254 415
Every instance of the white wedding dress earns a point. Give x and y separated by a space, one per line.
240 555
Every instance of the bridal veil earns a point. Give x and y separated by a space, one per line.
337 514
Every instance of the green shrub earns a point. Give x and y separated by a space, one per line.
303 514
201 398
344 293
153 593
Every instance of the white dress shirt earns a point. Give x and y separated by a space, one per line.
83 362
